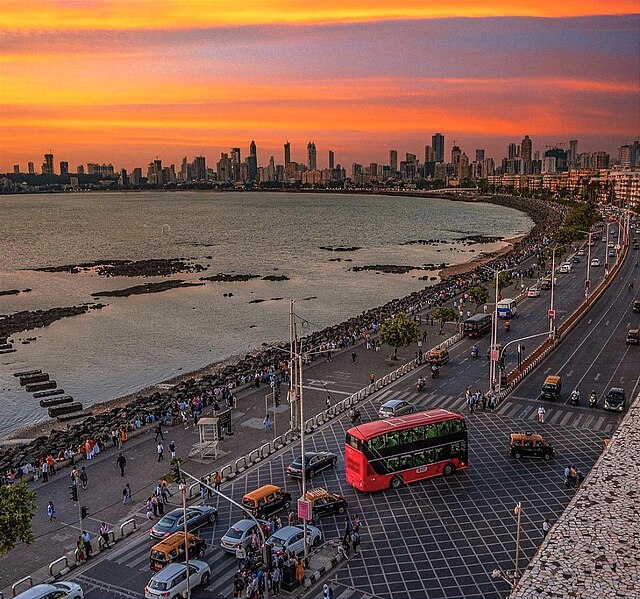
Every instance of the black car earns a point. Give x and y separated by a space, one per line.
315 461
529 445
325 502
197 517
615 400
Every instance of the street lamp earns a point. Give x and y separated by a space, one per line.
512 576
587 282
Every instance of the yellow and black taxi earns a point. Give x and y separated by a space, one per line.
266 500
529 445
325 502
172 549
438 356
551 387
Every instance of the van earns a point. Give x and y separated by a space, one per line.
172 549
507 308
266 500
551 387
529 445
438 356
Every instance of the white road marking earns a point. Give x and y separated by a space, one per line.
595 378
332 391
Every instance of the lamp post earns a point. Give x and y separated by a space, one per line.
183 491
587 282
552 312
606 255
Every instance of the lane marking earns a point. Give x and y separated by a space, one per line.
332 391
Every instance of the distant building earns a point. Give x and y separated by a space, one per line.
287 153
31 168
393 160
253 162
624 155
480 155
199 168
437 143
332 159
47 166
80 169
64 168
573 153
311 156
16 169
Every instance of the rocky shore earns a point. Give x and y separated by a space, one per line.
156 267
146 288
547 218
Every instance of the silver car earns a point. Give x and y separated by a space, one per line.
240 534
395 407
171 581
56 590
291 538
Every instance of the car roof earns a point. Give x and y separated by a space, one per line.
392 403
527 436
552 378
37 591
262 491
170 570
244 524
616 390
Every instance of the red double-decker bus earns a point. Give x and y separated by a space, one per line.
397 451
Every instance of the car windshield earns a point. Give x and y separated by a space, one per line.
615 397
386 409
549 387
234 533
157 555
157 585
297 463
166 522
276 541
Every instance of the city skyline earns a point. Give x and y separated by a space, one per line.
125 83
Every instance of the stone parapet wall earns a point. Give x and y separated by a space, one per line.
593 550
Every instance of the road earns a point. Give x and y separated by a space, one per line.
443 537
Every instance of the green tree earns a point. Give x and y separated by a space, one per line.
399 332
504 280
17 507
479 295
445 315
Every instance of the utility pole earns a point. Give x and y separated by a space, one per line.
304 464
553 283
183 492
517 511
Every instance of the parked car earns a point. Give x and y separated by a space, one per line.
315 461
529 445
55 590
197 517
595 262
240 534
395 407
615 400
325 502
171 581
291 538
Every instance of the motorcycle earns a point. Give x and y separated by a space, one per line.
420 385
435 372
593 400
507 325
575 398
474 352
355 417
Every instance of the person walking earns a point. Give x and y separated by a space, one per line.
44 470
104 533
541 413
372 378
217 479
160 451
80 550
159 432
241 555
172 449
300 573
355 541
276 577
328 401
354 356
122 462
83 477
546 525
126 494
86 539
267 423
51 511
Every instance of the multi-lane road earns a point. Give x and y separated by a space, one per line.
443 537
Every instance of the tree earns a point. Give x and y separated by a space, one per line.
445 315
479 295
399 332
17 507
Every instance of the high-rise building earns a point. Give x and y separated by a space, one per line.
31 168
573 153
479 155
635 153
437 143
80 170
311 156
136 177
512 151
455 155
393 160
287 153
124 179
561 158
47 166
253 162
64 168
624 155
16 169
199 168
224 170
236 162
526 149
429 155
332 159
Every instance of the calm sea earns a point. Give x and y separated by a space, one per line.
144 339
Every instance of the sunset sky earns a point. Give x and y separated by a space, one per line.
122 81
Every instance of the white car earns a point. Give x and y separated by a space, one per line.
595 262
580 252
240 534
533 292
291 538
56 590
565 268
171 581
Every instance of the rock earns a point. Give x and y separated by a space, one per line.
146 288
129 268
229 278
275 278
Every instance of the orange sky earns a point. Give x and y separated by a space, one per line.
124 80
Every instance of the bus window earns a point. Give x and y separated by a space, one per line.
428 456
444 428
432 431
391 439
438 454
419 459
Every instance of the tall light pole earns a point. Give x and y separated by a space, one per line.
183 492
517 511
587 282
494 337
606 255
304 462
552 312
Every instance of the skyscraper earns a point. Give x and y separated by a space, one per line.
455 155
479 155
332 159
393 160
200 168
64 168
311 155
235 164
287 153
428 155
253 162
526 149
573 153
47 166
437 143
16 169
31 168
624 155
512 151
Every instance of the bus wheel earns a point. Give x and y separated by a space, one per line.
449 469
396 482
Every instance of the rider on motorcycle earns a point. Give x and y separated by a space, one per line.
593 398
575 397
507 325
474 350
420 384
435 371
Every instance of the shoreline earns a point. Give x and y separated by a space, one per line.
221 368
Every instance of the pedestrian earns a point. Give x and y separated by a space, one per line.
355 541
541 413
356 523
241 554
328 401
51 511
160 451
372 378
276 577
300 573
83 477
546 526
203 488
80 550
126 494
164 484
149 508
122 462
172 449
159 432
104 533
44 469
238 586
353 357
217 479
86 539
160 502
154 505
267 423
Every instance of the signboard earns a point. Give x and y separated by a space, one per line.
495 355
618 247
552 314
304 509
587 284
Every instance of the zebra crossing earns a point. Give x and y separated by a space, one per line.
518 408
